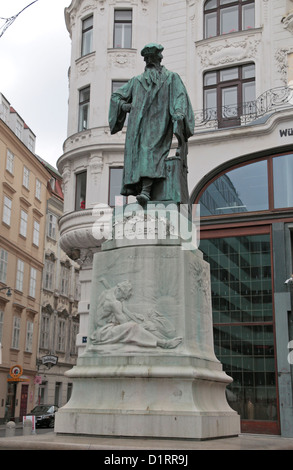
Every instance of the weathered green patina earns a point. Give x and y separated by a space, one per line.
159 107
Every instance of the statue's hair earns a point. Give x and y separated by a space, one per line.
125 287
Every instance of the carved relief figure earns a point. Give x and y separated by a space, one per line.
114 323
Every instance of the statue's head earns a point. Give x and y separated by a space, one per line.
123 290
152 52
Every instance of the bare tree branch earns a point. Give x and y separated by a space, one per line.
8 21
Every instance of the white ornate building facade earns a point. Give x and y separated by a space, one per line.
236 60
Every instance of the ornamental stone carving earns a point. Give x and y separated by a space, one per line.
85 65
101 6
288 22
86 257
66 175
281 57
76 230
96 167
228 52
87 8
145 4
122 59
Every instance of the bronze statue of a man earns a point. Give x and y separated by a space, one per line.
156 101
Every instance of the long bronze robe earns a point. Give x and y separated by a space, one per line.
150 126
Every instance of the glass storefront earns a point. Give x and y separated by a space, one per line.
239 208
241 284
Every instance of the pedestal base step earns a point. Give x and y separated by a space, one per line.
156 425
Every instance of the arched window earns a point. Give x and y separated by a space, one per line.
259 186
228 16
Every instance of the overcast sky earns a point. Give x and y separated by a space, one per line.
35 57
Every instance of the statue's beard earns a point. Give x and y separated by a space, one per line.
152 75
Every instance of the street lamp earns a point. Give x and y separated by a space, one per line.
8 291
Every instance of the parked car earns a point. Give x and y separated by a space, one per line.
45 415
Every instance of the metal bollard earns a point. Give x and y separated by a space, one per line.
27 427
10 429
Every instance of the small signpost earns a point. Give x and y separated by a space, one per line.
31 418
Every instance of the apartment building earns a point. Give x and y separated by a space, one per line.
235 58
23 202
59 321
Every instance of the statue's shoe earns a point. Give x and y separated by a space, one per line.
142 199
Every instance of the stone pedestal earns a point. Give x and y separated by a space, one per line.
155 375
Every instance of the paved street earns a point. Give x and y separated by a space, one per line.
19 431
112 446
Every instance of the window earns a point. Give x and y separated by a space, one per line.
283 188
52 226
242 296
61 335
33 282
65 271
74 333
29 336
7 210
84 105
229 94
31 143
23 223
246 188
3 265
1 324
19 275
26 177
38 189
36 233
122 28
5 112
19 129
48 274
45 330
115 187
58 393
87 36
80 193
76 285
15 333
116 84
69 390
53 184
228 16
10 162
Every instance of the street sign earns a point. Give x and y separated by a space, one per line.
49 359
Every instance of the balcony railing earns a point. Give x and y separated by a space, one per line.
245 113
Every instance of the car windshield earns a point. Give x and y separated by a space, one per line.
43 409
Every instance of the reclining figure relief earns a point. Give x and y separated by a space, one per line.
114 323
